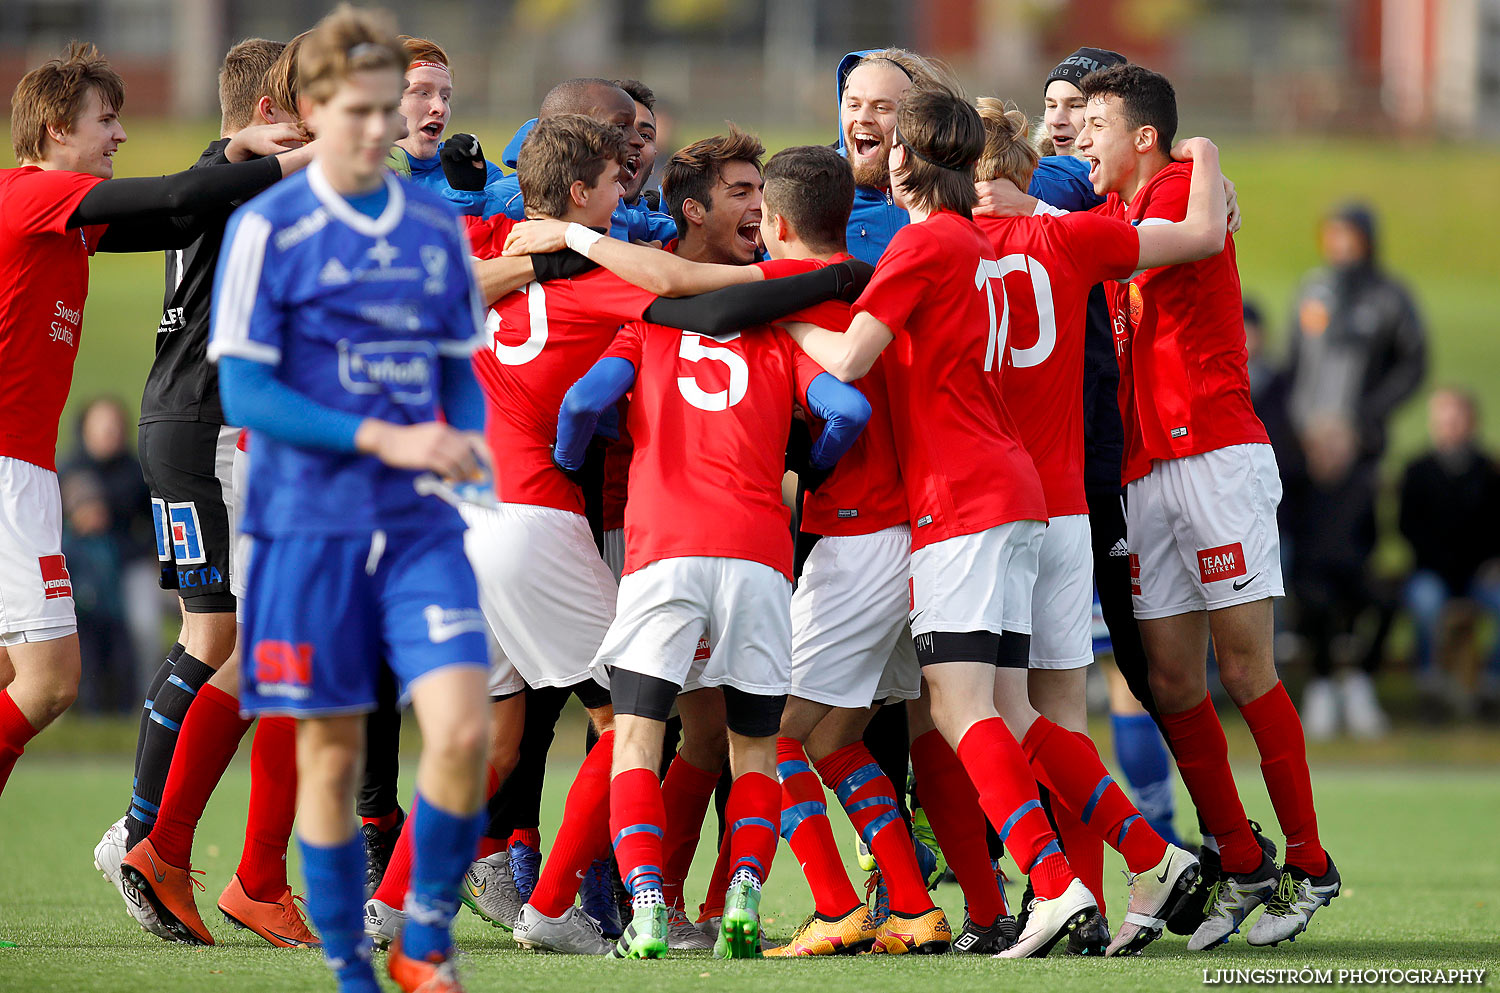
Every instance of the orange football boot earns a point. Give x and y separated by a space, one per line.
169 889
280 922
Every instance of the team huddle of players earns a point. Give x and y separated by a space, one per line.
384 410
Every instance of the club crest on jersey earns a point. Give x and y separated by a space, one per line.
383 252
187 536
1221 562
444 624
283 668
1135 304
56 584
435 261
402 370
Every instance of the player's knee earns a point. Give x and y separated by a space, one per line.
460 742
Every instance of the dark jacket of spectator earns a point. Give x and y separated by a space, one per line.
1450 513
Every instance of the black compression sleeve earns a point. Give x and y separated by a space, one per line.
117 200
744 305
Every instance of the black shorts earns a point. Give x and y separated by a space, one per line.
189 469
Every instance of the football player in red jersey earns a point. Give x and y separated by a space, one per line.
708 553
57 208
1202 489
975 544
1048 266
546 591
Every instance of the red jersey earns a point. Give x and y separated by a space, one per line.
864 493
541 339
44 281
1048 265
709 419
617 474
1180 339
960 456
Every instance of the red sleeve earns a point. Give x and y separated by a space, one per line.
487 237
602 294
804 369
777 268
1100 248
902 277
629 344
1168 196
42 201
831 314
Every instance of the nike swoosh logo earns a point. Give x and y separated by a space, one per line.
1163 877
1241 585
161 877
479 889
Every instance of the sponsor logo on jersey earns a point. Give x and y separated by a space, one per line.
402 370
283 668
435 261
1221 562
924 520
1120 550
65 322
187 536
334 273
306 226
1135 574
849 512
159 520
193 579
393 315
172 319
56 583
444 624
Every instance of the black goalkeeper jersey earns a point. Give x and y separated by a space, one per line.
183 385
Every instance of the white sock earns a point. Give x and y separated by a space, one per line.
647 898
745 874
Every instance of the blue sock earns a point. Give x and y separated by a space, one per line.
442 848
1144 759
336 903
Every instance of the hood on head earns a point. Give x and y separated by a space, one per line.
1361 216
846 66
513 148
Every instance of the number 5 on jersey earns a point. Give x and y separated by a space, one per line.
695 348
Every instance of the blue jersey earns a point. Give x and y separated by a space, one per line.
355 312
1063 182
429 173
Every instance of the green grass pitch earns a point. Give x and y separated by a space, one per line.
1415 842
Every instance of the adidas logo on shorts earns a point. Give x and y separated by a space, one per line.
1120 550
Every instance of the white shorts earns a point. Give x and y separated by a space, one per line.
1202 532
742 607
976 582
239 561
547 595
1062 602
614 552
504 679
851 645
36 595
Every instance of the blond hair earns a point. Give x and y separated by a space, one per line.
918 68
243 79
52 96
1008 151
347 41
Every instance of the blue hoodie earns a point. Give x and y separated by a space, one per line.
429 173
875 218
630 222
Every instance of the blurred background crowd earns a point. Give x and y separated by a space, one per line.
1360 134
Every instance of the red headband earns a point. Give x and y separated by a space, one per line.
429 65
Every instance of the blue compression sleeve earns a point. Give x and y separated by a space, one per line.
463 400
588 399
844 411
254 398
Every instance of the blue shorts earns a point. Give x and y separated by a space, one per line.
323 616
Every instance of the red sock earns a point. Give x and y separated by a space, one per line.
393 885
530 837
273 806
1007 793
637 823
718 884
805 826
210 734
385 821
583 835
1076 778
1277 729
870 801
953 810
753 811
685 793
15 732
1203 759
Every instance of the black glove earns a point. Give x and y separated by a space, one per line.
463 162
652 198
564 264
854 276
576 475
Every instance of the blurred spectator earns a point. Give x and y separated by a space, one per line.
1450 499
1330 516
93 556
104 452
1268 392
1357 348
